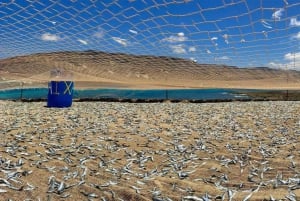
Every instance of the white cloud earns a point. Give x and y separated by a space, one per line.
265 34
296 36
193 59
276 65
99 33
292 56
179 37
222 58
225 58
226 36
294 22
82 41
283 66
180 34
133 31
213 40
50 37
266 24
208 51
277 14
192 49
178 49
121 41
293 62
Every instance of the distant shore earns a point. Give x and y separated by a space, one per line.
32 94
260 85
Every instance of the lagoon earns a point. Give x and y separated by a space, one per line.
172 94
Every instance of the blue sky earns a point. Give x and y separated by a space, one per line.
242 33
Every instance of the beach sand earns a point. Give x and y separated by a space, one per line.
157 151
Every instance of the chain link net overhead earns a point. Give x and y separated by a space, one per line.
243 33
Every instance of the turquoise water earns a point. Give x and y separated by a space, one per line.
178 94
31 93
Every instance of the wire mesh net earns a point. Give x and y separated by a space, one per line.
243 33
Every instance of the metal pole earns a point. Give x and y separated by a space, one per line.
287 83
21 95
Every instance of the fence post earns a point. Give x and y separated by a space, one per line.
21 95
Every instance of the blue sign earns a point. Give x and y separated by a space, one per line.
60 93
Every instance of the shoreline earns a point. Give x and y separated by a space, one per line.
116 95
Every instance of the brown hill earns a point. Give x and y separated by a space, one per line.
100 69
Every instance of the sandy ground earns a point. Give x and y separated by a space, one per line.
158 151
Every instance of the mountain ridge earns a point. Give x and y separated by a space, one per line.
142 71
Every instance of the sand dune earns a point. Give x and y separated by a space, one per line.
98 69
